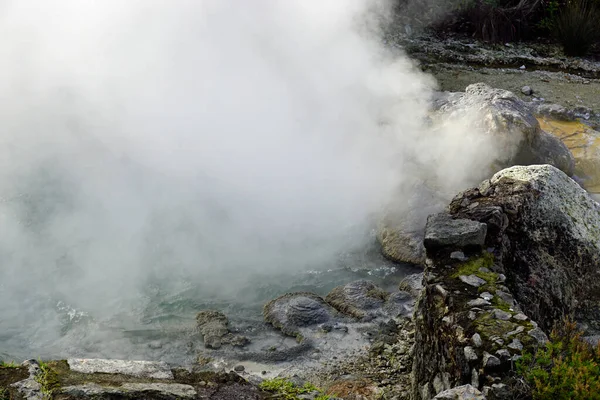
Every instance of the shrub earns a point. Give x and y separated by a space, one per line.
566 368
288 390
578 26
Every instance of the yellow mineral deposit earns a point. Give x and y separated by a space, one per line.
584 143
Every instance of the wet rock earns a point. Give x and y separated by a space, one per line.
400 245
526 90
443 231
399 304
292 311
213 326
412 284
130 390
139 369
357 298
548 149
239 368
465 392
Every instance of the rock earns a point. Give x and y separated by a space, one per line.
526 90
501 315
399 245
399 304
139 369
479 302
548 149
490 361
554 111
30 388
357 298
552 249
520 317
465 392
458 255
472 280
292 311
476 339
412 284
442 231
486 296
239 368
538 335
470 353
515 345
164 391
511 123
213 326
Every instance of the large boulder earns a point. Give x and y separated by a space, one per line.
547 232
399 245
213 326
510 121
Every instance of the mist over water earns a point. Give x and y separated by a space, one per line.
152 150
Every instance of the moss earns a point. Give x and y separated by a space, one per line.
48 378
502 305
287 390
472 267
488 326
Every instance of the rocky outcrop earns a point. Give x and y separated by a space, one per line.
400 245
478 310
213 326
510 121
412 284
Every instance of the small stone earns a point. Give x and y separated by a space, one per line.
472 315
239 368
476 339
517 330
501 315
538 335
522 67
486 296
501 278
458 255
478 303
472 280
490 361
516 345
474 377
520 317
484 270
501 391
470 353
526 90
503 354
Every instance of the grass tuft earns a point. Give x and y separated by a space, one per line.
287 390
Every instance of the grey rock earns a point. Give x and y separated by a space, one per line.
517 330
479 302
132 390
472 280
490 361
474 377
470 353
486 296
501 278
292 311
400 245
139 369
526 90
554 111
476 339
549 149
538 335
520 317
30 388
399 304
444 231
503 354
465 392
239 368
213 327
501 391
501 315
458 255
515 345
357 298
412 284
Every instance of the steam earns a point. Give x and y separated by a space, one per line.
202 140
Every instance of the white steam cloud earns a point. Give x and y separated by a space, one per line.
193 140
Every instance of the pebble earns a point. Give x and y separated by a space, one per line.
239 368
476 339
472 280
501 315
526 90
470 353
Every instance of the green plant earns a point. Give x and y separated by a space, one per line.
48 379
11 364
4 395
577 26
566 368
288 390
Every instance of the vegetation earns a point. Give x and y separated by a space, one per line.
4 395
566 368
288 390
472 267
11 364
48 379
573 23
